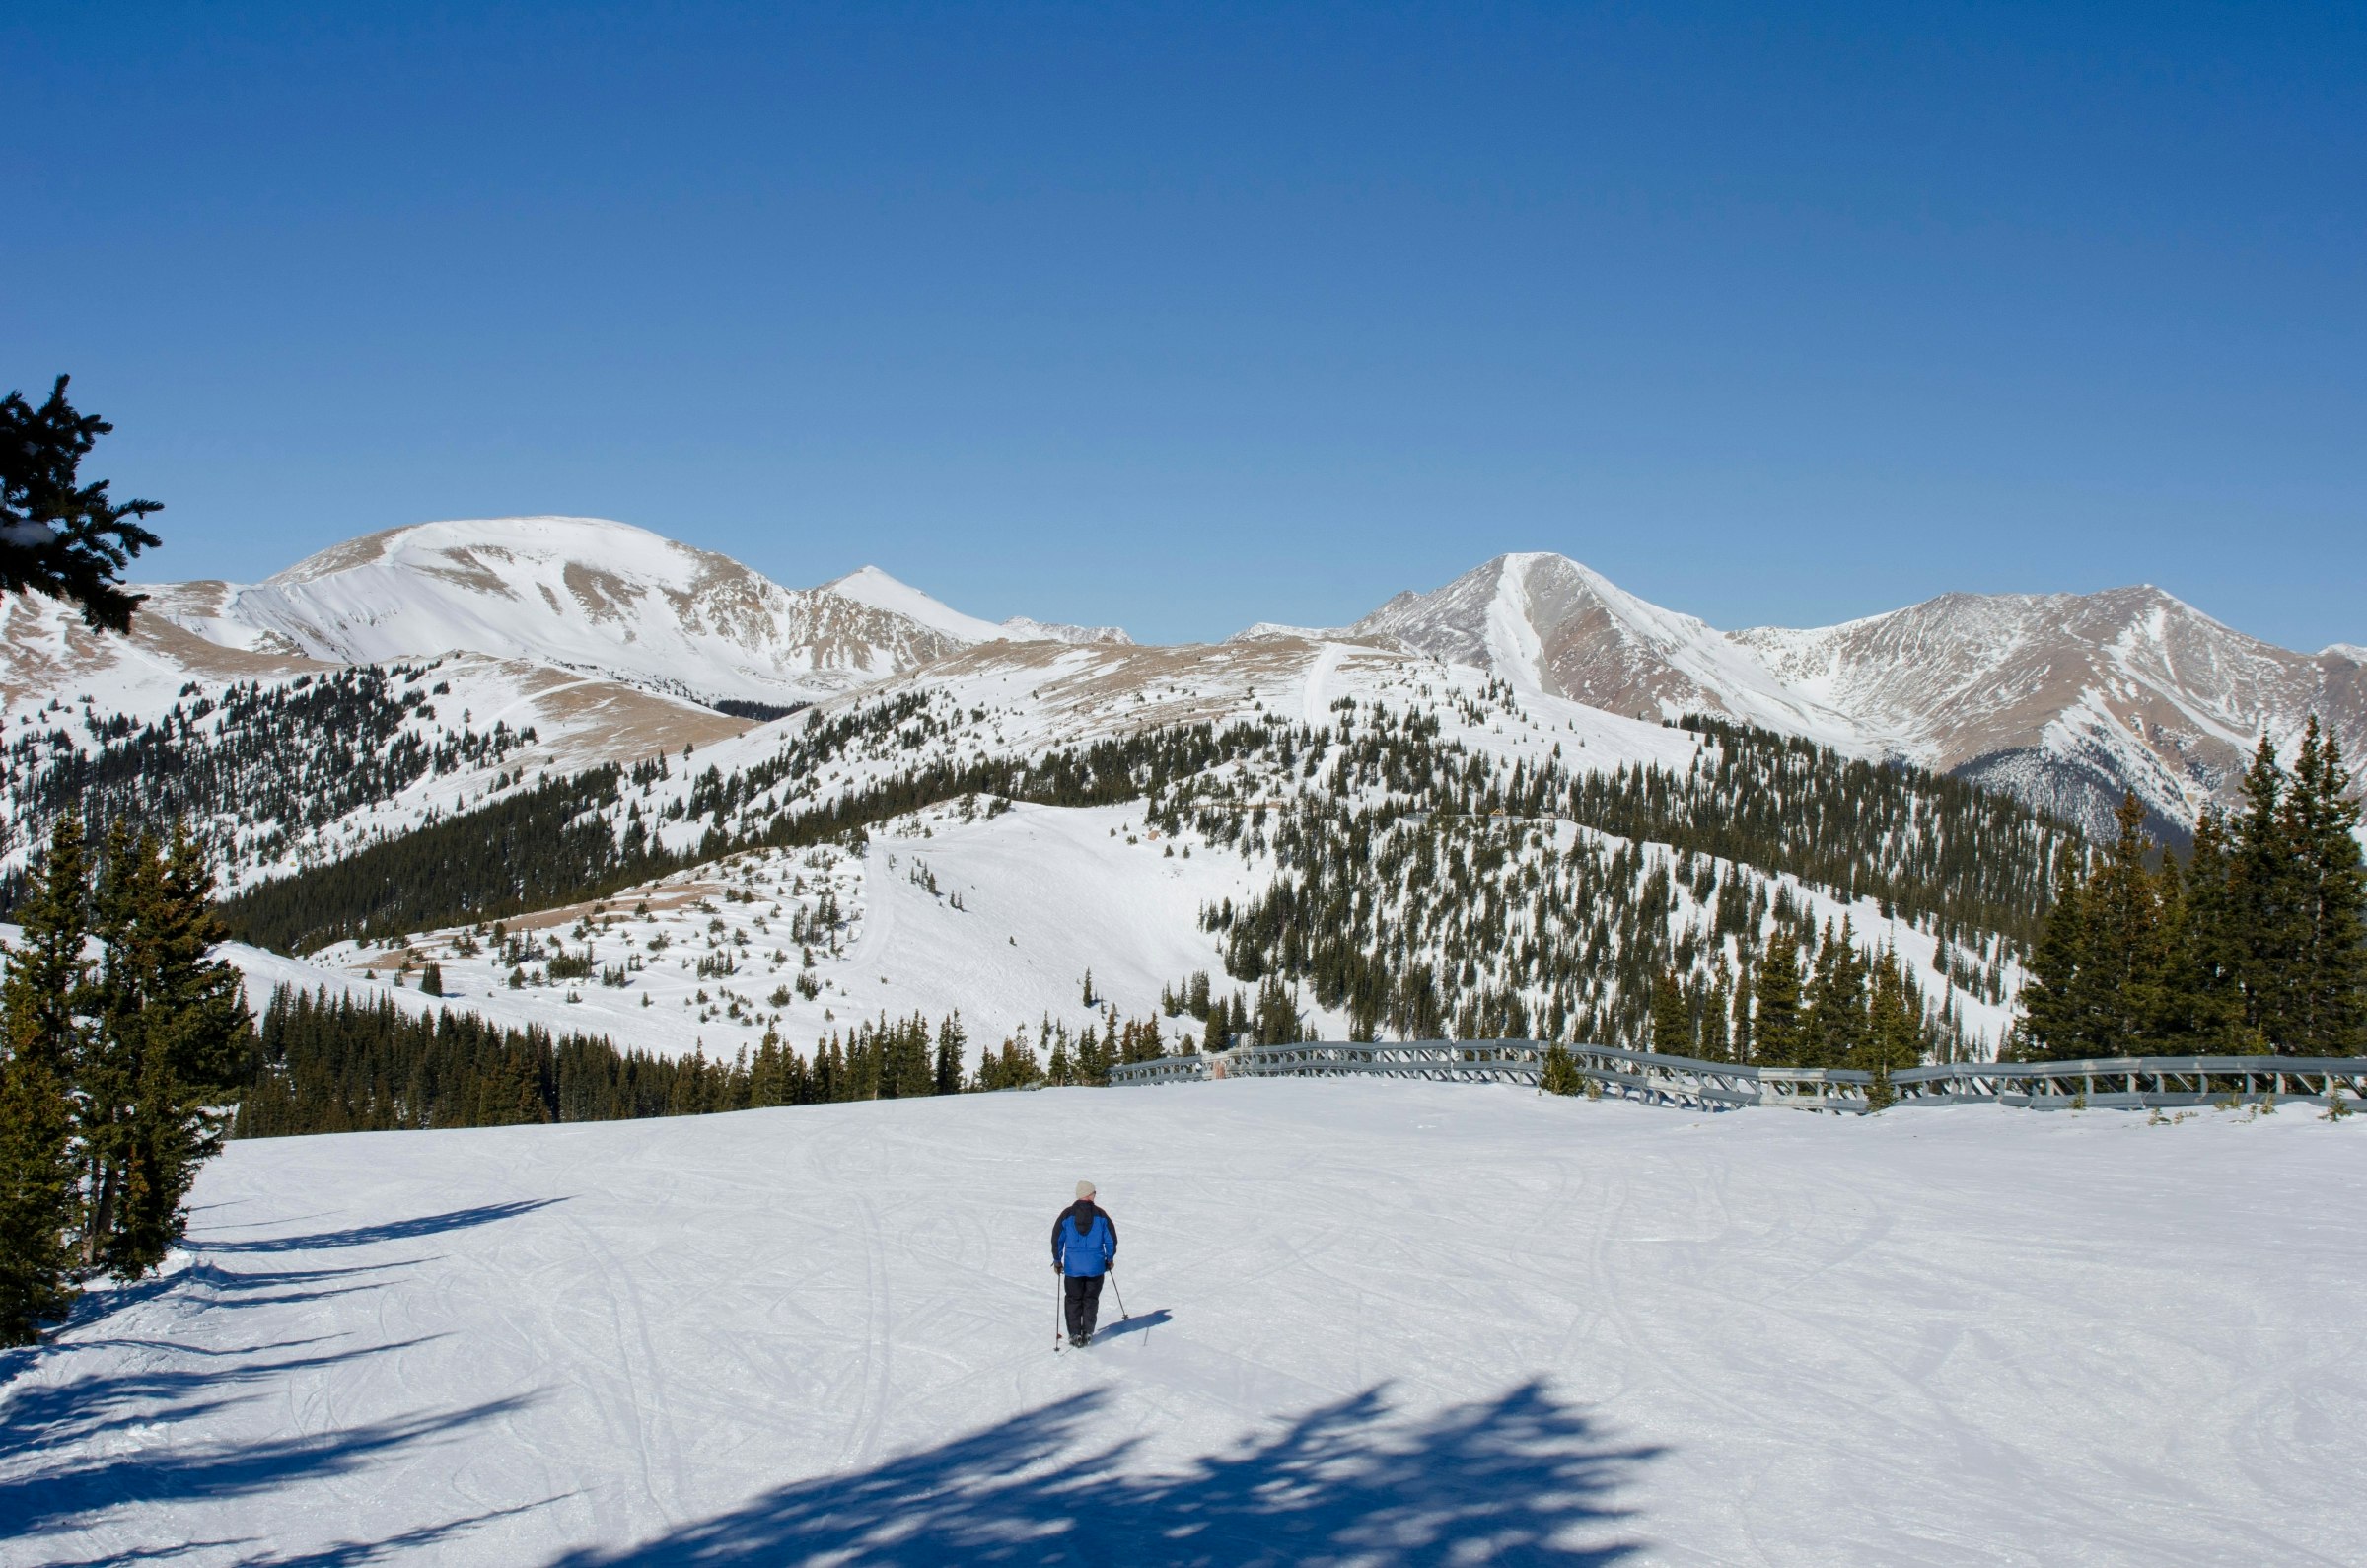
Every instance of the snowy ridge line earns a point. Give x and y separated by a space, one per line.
2145 1082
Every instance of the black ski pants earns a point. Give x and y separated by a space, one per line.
1083 1293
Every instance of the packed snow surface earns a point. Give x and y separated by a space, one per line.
1372 1322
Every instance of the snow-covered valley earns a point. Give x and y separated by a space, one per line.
1380 1323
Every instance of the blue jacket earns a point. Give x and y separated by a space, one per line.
1084 1241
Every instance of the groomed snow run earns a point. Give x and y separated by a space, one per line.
1373 1324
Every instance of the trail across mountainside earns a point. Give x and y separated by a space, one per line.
1367 1316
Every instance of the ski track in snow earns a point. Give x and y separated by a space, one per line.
1949 1336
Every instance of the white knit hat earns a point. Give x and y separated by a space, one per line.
1084 1189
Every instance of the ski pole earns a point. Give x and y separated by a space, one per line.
1057 1282
1123 1314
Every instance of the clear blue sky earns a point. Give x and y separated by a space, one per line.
1187 316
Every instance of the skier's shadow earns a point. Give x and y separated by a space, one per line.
1139 1324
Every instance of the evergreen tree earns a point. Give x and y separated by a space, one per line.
1280 1022
58 535
2204 1006
36 1199
106 1068
1671 1017
906 1072
1090 1064
176 1025
1713 1045
2264 901
1834 1025
1560 1072
2049 1021
2115 972
2327 982
2117 995
42 998
1893 1037
1775 996
953 1043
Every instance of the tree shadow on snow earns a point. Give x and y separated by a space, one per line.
390 1231
353 1553
73 1493
52 1415
1520 1478
220 1287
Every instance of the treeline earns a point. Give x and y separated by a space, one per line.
552 844
249 769
2255 945
325 1063
112 1065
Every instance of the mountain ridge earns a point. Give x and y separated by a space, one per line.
590 594
2064 699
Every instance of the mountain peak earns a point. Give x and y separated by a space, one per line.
1560 627
597 541
868 585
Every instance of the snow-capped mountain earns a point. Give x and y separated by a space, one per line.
1021 629
1549 624
590 594
2063 699
582 642
2066 699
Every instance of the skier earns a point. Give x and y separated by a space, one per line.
1084 1246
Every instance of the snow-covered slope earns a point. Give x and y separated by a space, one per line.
1371 1323
2068 699
601 597
1023 630
1549 624
998 917
1000 912
598 598
605 641
495 725
2063 699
